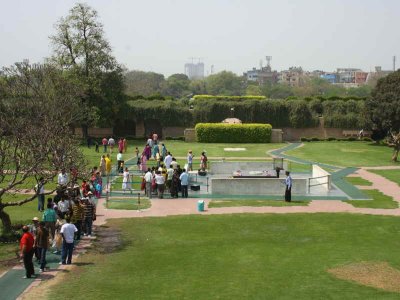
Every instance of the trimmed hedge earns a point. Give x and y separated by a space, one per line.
233 133
234 98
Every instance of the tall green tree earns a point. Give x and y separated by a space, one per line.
81 49
144 83
38 106
225 83
384 108
177 86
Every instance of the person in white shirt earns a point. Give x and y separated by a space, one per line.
63 207
160 180
168 160
174 164
111 143
190 160
288 190
148 177
67 231
120 161
62 178
184 183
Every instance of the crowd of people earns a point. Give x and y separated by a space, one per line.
71 212
68 215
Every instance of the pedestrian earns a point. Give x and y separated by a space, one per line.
103 165
125 145
150 141
33 228
155 138
288 189
190 161
96 144
120 162
67 231
155 150
104 142
88 216
108 164
50 218
42 244
164 151
148 177
143 163
174 163
203 161
26 252
62 179
175 184
160 180
39 189
77 217
120 145
64 207
111 143
147 151
168 160
184 183
126 181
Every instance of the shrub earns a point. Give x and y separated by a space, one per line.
233 133
304 139
315 139
176 138
228 98
331 138
367 139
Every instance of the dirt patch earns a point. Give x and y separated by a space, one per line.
378 275
108 240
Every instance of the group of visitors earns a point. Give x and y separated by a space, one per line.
110 143
69 215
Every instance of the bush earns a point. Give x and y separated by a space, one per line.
233 133
304 139
315 139
331 138
367 139
228 98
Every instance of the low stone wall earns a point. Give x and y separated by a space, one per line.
173 131
294 134
258 186
229 167
190 135
325 179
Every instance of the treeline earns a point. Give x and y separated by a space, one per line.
278 113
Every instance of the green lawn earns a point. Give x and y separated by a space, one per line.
347 154
392 175
232 203
380 200
245 256
358 181
131 204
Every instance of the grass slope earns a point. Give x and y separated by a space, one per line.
257 203
358 181
392 175
246 256
347 154
379 200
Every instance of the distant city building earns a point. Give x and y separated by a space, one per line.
194 71
263 75
373 77
330 77
292 77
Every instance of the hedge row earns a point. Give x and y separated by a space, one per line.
228 98
233 133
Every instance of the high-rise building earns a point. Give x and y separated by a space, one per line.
194 71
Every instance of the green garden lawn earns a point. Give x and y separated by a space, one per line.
379 200
347 154
242 256
358 181
256 203
392 175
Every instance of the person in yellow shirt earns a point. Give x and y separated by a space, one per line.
108 164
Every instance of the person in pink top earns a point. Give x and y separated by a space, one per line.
104 142
125 145
120 145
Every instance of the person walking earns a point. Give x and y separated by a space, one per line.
104 142
50 218
203 161
89 215
160 181
39 189
168 160
126 181
148 177
42 244
77 217
288 189
184 177
103 165
67 231
190 161
111 143
26 252
108 164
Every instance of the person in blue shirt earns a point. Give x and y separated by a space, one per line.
288 190
184 183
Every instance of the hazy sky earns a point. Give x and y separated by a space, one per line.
233 35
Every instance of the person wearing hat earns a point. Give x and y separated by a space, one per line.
33 228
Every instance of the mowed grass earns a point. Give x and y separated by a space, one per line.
347 154
242 256
379 200
358 181
129 204
256 203
392 175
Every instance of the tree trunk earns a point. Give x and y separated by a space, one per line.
5 220
85 131
395 154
